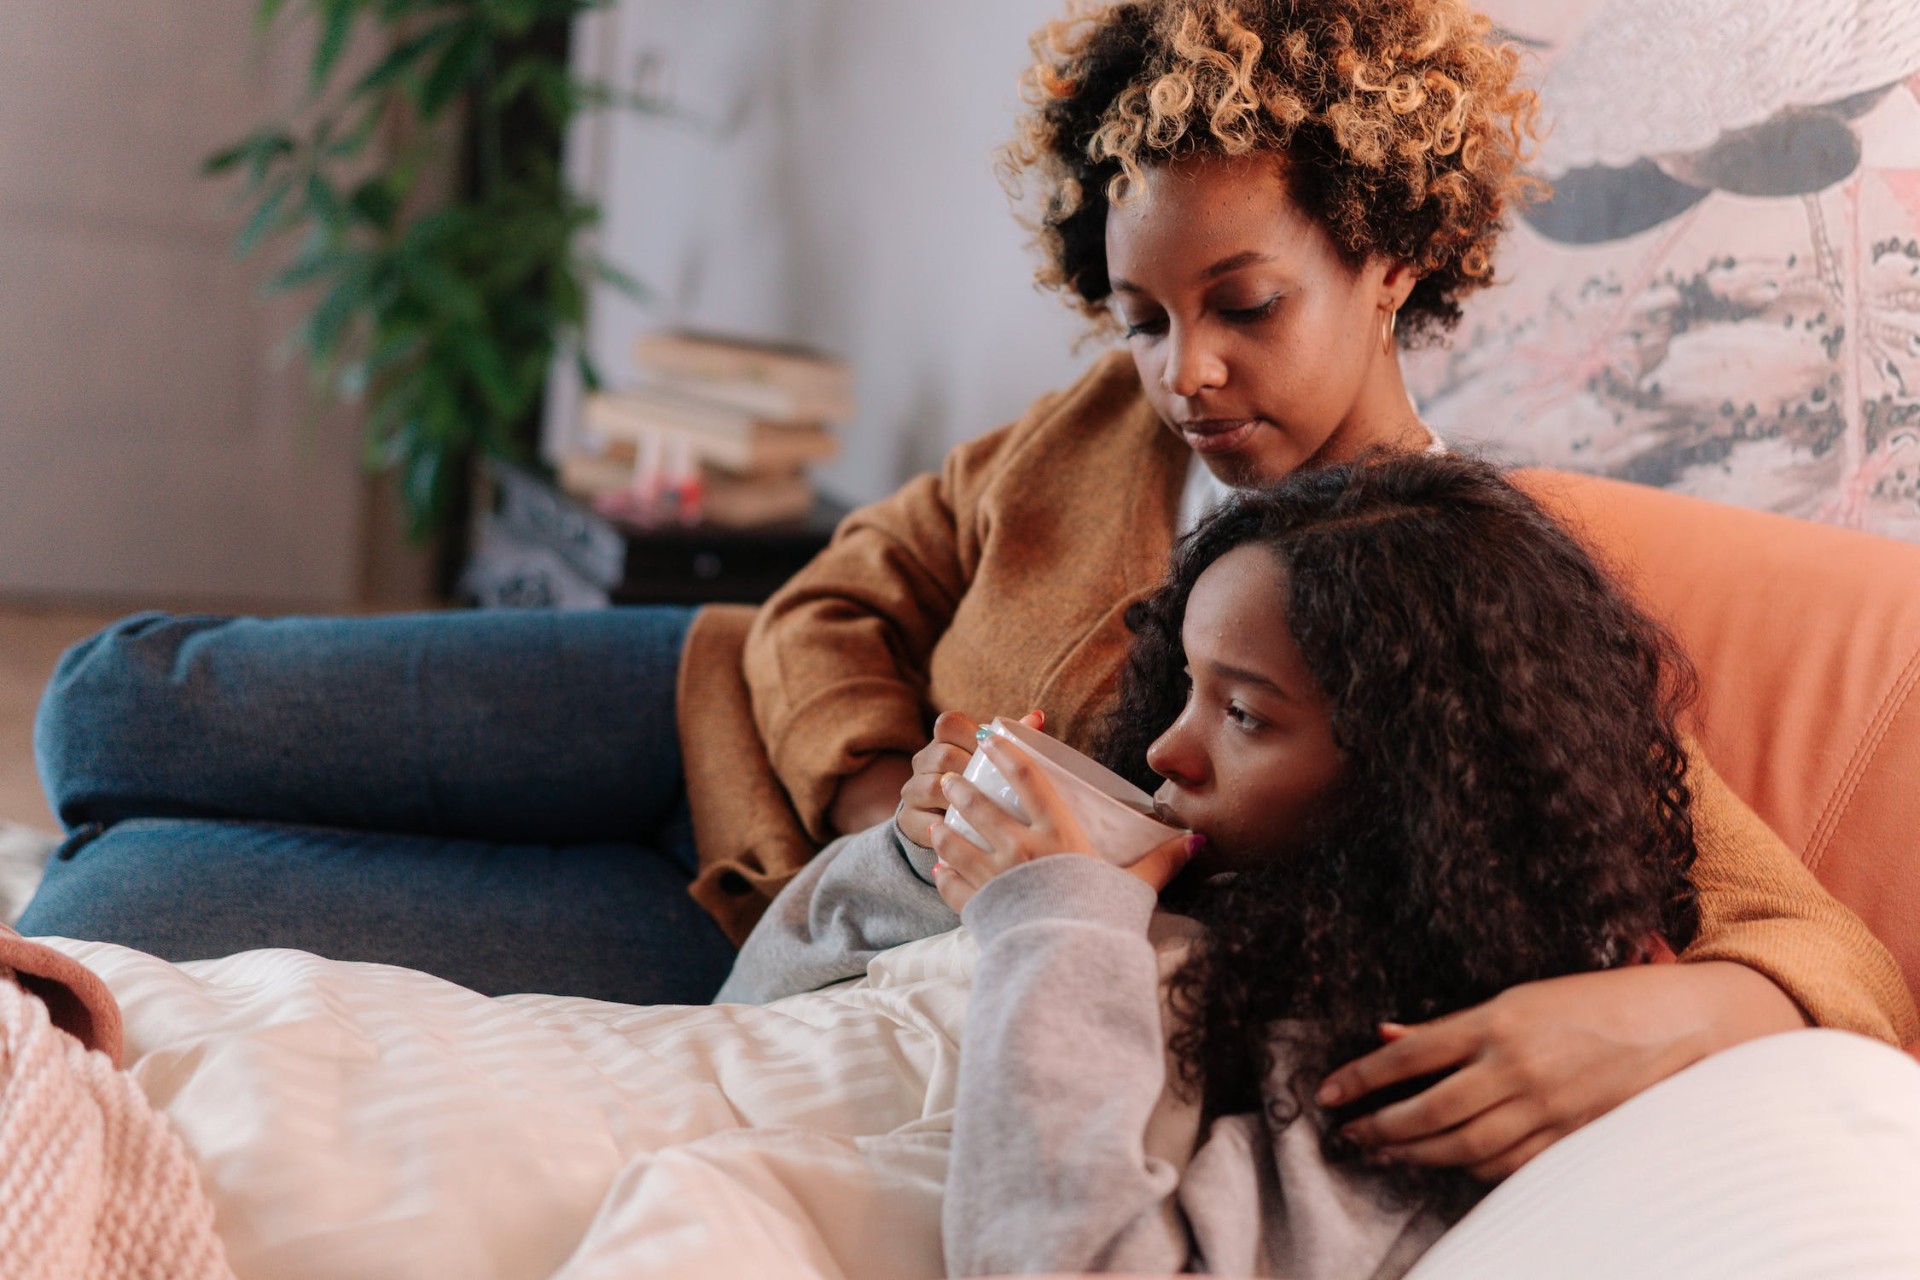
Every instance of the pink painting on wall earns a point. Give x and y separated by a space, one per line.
1723 295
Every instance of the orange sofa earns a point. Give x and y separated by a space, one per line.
1807 640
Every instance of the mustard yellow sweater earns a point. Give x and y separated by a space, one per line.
1000 585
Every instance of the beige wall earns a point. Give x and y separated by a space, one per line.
149 449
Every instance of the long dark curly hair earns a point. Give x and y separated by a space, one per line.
1404 124
1513 803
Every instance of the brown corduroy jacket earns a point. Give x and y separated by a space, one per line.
1000 585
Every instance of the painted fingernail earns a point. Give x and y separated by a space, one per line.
940 865
982 734
1330 1095
1195 843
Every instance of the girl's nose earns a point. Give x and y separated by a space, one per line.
1175 757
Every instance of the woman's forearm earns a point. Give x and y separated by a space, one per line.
1735 1004
871 795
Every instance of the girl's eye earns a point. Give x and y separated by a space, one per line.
1153 326
1253 314
1242 718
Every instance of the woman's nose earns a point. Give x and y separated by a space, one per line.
1193 365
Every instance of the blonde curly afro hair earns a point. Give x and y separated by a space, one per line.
1403 128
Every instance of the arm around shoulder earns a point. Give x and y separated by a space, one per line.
1760 907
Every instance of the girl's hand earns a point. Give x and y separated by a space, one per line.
965 868
923 803
1538 1061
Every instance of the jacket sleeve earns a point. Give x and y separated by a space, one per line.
1761 907
1061 1068
861 895
837 659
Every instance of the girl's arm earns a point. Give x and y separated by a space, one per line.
861 895
1061 1068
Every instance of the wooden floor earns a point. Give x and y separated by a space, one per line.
31 639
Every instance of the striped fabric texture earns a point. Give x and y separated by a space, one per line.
363 1122
366 1122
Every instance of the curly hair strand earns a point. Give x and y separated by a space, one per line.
1403 126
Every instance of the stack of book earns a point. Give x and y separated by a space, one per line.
718 431
536 546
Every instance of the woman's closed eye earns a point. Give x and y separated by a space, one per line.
1253 314
1153 326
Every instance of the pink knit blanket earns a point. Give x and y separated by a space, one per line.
94 1184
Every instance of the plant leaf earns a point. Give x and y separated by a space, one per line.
266 218
336 26
450 74
328 324
322 202
375 203
257 148
400 61
307 268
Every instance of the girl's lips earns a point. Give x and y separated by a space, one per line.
1164 812
1218 435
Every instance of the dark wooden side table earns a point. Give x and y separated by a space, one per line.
537 547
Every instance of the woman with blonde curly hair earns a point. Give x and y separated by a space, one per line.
1267 199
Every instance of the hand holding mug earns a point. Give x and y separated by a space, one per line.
1006 840
923 800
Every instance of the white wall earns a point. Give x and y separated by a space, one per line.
829 181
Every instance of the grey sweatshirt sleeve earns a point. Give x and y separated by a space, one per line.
859 896
1063 1072
1061 1068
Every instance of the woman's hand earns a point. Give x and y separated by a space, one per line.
870 796
965 868
923 801
1538 1061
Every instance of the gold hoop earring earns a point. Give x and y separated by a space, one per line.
1388 324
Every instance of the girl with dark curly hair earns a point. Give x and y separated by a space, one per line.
1431 754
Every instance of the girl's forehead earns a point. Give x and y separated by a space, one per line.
1236 625
1238 606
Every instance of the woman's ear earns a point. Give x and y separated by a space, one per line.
1397 279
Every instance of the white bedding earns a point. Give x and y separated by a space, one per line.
362 1122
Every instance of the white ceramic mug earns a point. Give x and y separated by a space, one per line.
1116 815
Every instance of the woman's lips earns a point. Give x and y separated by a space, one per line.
1218 435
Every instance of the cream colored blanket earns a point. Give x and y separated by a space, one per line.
361 1122
358 1122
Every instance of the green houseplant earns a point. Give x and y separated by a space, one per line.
432 228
